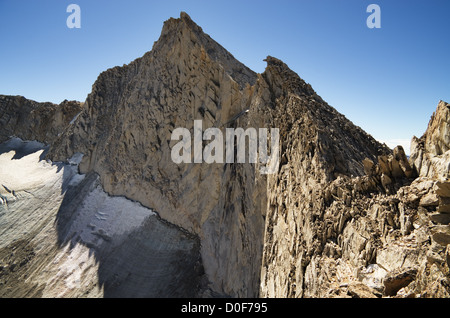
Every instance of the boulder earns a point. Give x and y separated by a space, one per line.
441 234
397 280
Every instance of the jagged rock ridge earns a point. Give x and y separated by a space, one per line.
343 216
126 125
381 234
31 120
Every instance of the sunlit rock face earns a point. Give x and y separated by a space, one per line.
94 205
124 132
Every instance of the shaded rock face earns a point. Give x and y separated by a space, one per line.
342 216
63 236
31 120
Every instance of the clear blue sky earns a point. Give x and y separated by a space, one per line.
387 81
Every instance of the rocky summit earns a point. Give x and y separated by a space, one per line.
92 204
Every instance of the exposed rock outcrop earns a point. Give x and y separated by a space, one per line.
342 216
30 120
429 154
125 132
387 230
125 129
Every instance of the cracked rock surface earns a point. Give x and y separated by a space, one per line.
92 204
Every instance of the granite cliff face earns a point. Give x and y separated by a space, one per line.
342 216
125 129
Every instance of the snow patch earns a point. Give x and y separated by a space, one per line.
76 179
100 218
74 118
75 159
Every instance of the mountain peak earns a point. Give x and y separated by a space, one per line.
185 36
338 201
281 75
184 16
184 21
